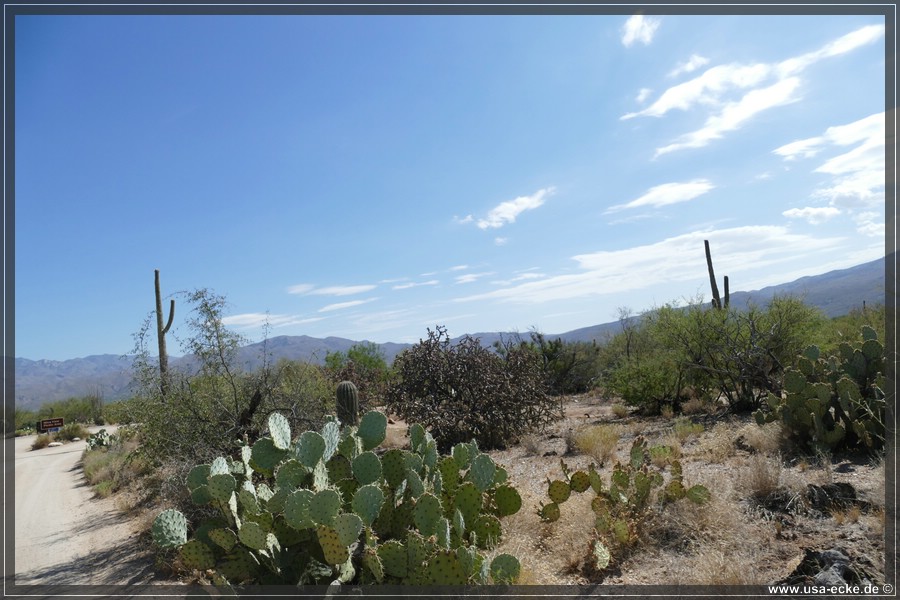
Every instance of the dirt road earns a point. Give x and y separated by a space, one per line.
63 534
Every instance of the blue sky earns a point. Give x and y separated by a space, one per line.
372 176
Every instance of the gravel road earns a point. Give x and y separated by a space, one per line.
64 535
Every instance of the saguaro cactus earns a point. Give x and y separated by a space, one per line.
347 403
161 335
716 301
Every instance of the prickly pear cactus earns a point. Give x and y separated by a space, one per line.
621 507
835 402
329 507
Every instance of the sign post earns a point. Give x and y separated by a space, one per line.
45 425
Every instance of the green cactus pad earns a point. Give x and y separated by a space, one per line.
416 437
287 535
350 444
348 527
265 456
338 468
221 486
449 473
416 551
224 538
500 475
443 534
505 569
444 568
579 481
252 535
549 512
508 500
169 529
310 448
487 531
415 485
324 507
458 522
280 430
698 494
482 472
296 509
331 433
264 493
427 514
394 558
197 477
468 501
460 454
559 491
372 429
201 496
219 467
239 566
372 562
367 468
393 467
291 475
335 553
367 503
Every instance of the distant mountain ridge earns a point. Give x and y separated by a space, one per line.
38 381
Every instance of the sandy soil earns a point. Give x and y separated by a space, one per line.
63 534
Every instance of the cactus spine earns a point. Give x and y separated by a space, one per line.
347 403
161 336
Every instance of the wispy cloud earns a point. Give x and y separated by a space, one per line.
667 193
639 28
463 220
735 93
858 175
342 305
675 259
692 64
306 289
251 320
412 284
500 241
471 277
813 215
506 212
642 95
459 268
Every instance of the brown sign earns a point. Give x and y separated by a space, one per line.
46 424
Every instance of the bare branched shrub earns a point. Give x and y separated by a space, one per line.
464 391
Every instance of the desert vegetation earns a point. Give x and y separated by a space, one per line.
644 458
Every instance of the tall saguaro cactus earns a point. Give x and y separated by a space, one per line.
716 300
161 335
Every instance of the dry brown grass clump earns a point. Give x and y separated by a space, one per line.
619 410
598 441
41 441
765 439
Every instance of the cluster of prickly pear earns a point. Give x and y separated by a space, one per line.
347 403
330 506
621 506
834 402
100 439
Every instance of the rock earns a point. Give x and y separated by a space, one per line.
54 444
829 567
76 439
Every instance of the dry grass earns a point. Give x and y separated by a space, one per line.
619 410
598 441
762 477
684 429
41 441
767 439
531 442
717 444
693 406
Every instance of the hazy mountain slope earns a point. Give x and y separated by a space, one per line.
39 381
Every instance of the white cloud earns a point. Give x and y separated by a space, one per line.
761 86
667 193
459 268
341 305
506 212
639 28
500 241
471 277
643 94
692 64
250 320
302 288
858 174
463 220
406 286
813 215
676 259
334 290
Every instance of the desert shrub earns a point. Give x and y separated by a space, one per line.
364 364
464 391
41 441
70 431
568 367
598 441
685 428
86 409
619 410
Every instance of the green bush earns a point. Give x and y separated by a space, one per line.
364 364
464 391
70 431
329 507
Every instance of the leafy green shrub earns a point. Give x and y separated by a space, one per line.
836 402
465 391
364 364
70 431
623 507
328 507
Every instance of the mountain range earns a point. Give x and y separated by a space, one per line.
109 376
